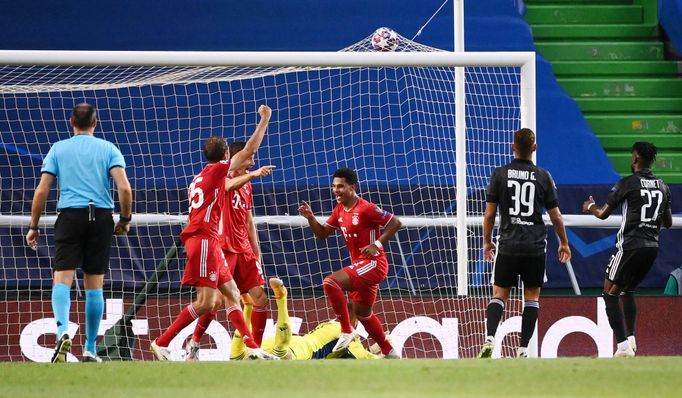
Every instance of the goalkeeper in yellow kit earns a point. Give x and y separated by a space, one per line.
317 344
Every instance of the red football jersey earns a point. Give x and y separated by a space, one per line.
206 194
235 212
360 226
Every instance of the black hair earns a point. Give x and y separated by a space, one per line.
215 148
646 151
83 116
236 147
349 174
524 140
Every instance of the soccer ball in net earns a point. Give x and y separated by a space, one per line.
385 39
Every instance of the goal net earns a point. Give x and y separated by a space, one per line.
395 125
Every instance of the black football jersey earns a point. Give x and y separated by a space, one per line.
644 198
522 191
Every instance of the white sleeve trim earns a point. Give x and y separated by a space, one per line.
389 220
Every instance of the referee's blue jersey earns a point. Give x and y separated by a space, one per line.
81 165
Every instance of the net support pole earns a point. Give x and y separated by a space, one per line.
118 341
408 276
458 10
460 156
571 276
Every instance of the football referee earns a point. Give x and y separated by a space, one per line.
83 231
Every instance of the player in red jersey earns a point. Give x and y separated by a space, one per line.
359 222
206 267
241 248
242 252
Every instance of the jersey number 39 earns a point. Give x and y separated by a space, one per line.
523 197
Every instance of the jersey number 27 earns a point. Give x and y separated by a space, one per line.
650 197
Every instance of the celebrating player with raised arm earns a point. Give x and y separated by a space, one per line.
646 206
360 222
240 242
241 247
206 267
521 191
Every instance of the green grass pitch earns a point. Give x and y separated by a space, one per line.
574 377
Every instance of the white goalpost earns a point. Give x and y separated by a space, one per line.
423 148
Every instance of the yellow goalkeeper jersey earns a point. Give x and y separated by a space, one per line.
319 343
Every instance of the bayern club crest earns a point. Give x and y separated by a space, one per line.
356 219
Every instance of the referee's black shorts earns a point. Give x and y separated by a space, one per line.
507 269
627 268
82 243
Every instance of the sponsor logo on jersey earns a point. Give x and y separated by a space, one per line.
519 221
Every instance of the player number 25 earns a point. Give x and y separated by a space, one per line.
523 195
196 194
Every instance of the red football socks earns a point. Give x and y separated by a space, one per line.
236 317
375 330
187 316
202 325
259 317
337 300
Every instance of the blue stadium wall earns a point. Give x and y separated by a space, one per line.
670 15
491 25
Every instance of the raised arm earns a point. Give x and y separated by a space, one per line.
558 223
488 224
241 158
234 183
602 213
37 207
125 197
321 231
